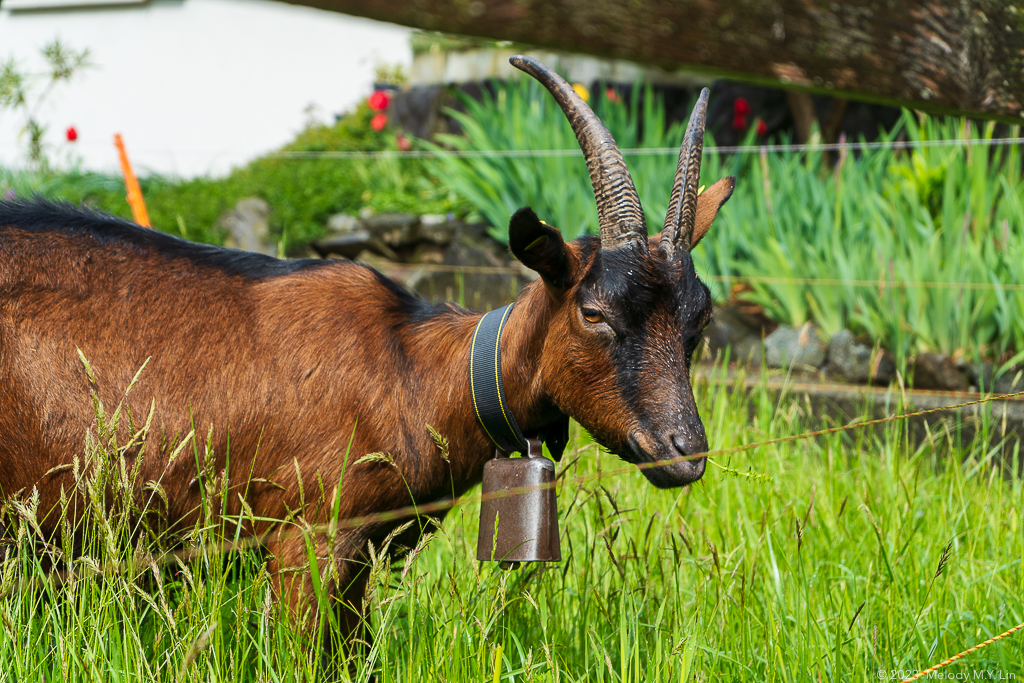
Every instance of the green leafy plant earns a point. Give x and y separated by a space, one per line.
882 218
866 232
521 116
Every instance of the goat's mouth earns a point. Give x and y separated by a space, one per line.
681 466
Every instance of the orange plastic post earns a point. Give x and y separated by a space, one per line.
131 184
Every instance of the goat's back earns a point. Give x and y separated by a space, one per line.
281 357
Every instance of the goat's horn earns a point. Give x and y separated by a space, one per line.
682 204
618 205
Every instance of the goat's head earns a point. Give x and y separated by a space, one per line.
629 310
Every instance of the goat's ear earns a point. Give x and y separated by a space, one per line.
539 247
708 204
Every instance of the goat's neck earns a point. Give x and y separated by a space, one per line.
522 345
451 410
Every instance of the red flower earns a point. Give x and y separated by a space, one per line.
762 127
739 122
403 143
71 134
612 96
379 121
379 100
740 107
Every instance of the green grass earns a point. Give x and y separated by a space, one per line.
821 567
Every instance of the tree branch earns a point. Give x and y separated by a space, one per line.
938 55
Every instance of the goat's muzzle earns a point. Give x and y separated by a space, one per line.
681 451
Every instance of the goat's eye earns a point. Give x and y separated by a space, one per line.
593 316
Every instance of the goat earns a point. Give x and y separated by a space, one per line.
303 366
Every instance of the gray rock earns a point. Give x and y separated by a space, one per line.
351 245
437 229
939 372
792 347
430 219
1010 382
748 351
733 330
480 291
343 223
491 278
442 260
428 253
979 375
858 362
393 229
247 226
381 234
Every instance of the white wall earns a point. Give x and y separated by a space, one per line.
199 86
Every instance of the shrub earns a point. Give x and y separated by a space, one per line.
303 192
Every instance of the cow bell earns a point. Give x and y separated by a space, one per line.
521 527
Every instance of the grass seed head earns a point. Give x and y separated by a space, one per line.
944 559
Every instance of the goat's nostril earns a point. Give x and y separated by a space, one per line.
689 445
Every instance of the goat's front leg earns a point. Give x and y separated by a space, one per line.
343 573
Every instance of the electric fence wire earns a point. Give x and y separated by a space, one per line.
448 503
396 268
651 151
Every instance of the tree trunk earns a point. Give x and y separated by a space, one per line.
938 55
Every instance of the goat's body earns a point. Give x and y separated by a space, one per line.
294 364
291 365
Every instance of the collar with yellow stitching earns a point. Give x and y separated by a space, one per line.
485 385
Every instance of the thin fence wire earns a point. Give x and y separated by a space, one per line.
869 284
649 151
735 279
446 504
929 671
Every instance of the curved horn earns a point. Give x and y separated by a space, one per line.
618 205
682 204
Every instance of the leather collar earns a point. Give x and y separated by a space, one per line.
485 385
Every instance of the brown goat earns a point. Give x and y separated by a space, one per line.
291 361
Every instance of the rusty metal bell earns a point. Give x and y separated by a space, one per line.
527 523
